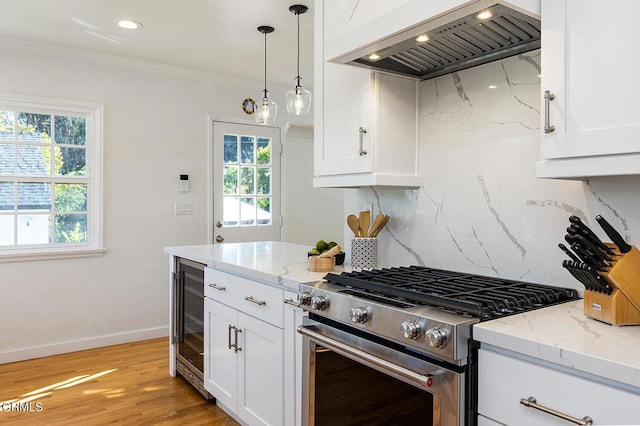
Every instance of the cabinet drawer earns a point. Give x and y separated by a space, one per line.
220 286
260 301
503 381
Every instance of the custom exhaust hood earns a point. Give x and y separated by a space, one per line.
453 41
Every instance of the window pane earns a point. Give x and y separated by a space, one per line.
6 196
34 127
264 211
34 228
70 130
6 230
264 180
247 149
34 196
34 160
230 180
230 149
71 228
264 151
72 161
248 211
247 180
231 212
70 197
6 125
6 158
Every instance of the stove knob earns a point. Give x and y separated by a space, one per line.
411 329
437 337
319 302
358 314
304 298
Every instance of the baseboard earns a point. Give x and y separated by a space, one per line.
80 345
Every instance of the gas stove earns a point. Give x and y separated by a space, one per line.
430 311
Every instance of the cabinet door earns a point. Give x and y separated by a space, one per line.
589 59
260 374
292 361
221 363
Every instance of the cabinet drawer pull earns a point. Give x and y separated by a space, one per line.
292 303
362 132
217 287
257 302
229 328
236 347
548 97
532 403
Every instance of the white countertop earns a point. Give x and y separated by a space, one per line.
269 261
563 335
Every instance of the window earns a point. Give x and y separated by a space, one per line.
50 177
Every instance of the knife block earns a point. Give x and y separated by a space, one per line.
622 306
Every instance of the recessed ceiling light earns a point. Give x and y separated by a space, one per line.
484 15
374 57
422 38
128 24
493 86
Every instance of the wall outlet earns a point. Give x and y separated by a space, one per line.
183 208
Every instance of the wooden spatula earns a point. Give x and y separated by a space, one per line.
364 219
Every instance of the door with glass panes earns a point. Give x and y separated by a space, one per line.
246 182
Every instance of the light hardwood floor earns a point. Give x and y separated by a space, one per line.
124 384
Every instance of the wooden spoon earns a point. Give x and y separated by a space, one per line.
354 225
376 226
365 221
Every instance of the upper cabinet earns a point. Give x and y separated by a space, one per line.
365 122
590 114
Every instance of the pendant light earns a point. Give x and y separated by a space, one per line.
267 109
298 99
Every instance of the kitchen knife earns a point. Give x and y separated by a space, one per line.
568 253
590 247
589 234
587 258
599 280
566 264
616 238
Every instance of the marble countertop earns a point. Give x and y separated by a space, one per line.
273 262
563 335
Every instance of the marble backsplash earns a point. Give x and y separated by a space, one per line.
480 208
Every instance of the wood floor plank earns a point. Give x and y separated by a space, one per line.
124 384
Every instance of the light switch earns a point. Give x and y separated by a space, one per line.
184 208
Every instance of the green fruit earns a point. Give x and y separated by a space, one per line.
324 251
332 244
322 245
314 251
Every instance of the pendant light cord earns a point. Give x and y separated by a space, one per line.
298 77
265 65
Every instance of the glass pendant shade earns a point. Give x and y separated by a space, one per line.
266 110
298 100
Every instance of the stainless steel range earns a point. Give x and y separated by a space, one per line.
409 331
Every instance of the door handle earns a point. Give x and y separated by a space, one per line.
229 345
219 238
548 97
362 132
532 403
236 347
218 224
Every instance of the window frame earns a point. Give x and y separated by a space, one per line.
93 177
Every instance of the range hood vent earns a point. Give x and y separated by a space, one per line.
457 45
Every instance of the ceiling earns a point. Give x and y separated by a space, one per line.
210 36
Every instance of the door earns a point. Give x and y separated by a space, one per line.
246 182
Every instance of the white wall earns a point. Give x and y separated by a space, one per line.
480 208
155 128
309 214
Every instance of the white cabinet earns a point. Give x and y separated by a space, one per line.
293 362
504 380
244 347
588 67
365 129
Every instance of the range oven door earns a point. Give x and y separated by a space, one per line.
350 380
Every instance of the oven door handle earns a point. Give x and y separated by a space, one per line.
423 380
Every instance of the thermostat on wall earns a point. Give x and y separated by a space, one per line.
184 183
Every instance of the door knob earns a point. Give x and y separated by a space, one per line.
218 224
219 239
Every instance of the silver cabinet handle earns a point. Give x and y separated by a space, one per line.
292 303
548 97
230 327
362 131
217 287
532 403
257 302
236 347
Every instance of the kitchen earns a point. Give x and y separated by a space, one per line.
478 147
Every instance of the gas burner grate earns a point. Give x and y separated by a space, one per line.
479 296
